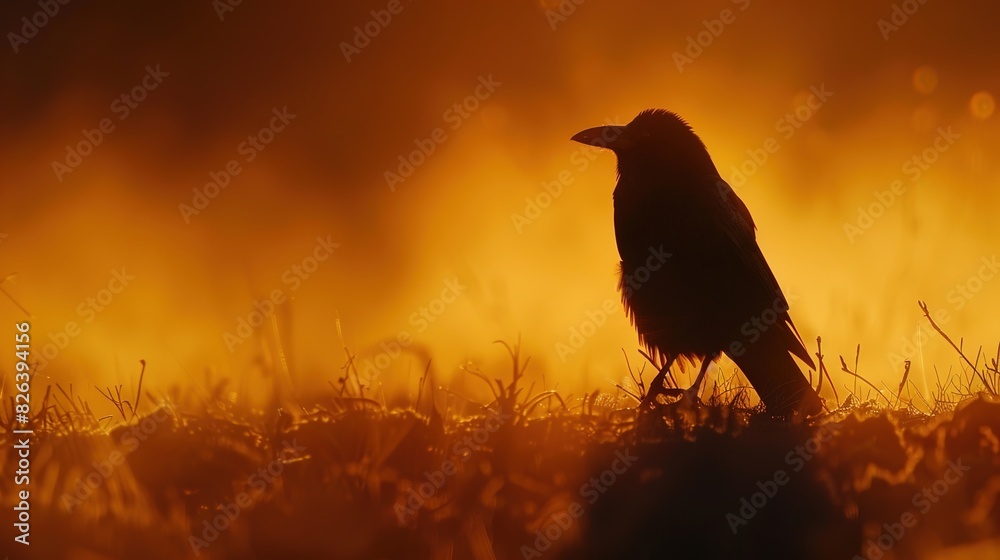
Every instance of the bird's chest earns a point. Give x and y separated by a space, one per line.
674 224
668 248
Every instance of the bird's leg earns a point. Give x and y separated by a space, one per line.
656 387
695 389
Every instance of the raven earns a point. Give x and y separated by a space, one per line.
693 280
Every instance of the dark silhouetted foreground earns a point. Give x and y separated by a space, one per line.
354 481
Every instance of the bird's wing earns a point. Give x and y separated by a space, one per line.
736 205
737 224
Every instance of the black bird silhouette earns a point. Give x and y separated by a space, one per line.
693 280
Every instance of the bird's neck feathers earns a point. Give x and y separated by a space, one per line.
641 174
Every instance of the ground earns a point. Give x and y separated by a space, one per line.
521 476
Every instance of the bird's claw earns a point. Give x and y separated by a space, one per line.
684 395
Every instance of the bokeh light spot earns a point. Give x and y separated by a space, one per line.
982 105
925 80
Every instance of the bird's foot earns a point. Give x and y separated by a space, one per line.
689 395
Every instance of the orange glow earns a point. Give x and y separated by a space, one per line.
318 240
534 264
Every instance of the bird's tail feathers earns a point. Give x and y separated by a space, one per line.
769 366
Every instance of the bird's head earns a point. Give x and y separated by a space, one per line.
655 136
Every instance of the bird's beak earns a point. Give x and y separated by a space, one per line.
609 136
